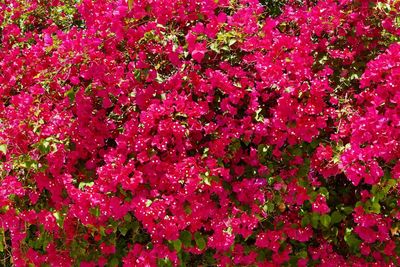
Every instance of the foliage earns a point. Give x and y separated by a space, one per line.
199 133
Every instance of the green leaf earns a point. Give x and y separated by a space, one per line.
323 191
232 42
123 230
148 203
305 221
177 245
314 220
95 211
303 170
84 184
214 47
200 242
378 196
102 231
71 95
207 180
376 208
44 146
325 220
347 210
352 241
128 217
336 217
270 207
374 189
3 148
137 74
314 143
164 262
186 238
259 117
59 218
187 208
302 254
113 262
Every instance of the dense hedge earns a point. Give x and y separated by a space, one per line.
199 133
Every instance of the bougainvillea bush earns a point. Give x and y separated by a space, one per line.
199 133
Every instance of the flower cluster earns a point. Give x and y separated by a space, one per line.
211 132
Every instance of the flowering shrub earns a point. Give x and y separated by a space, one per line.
199 133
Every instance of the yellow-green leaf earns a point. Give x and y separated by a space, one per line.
3 148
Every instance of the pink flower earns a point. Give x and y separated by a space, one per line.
366 234
199 51
320 206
